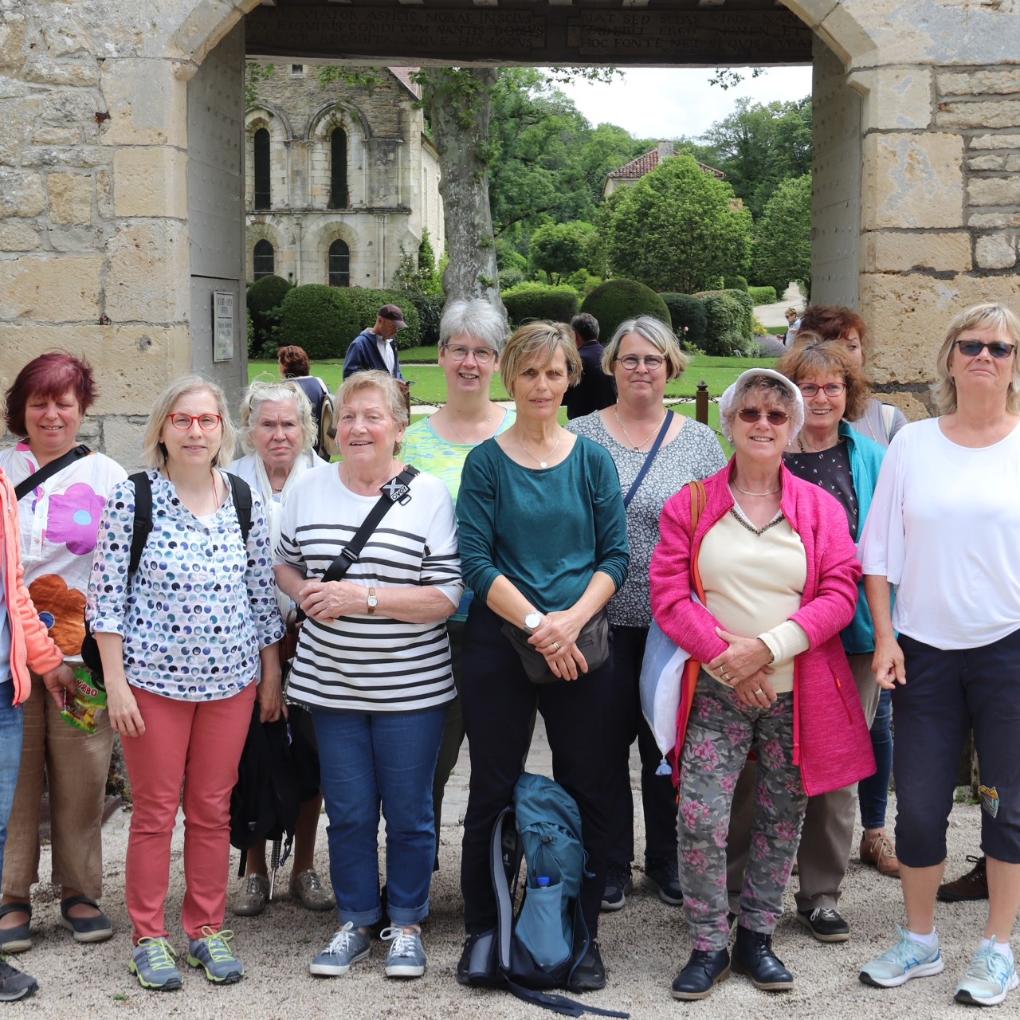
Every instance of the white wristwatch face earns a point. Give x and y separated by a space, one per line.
533 621
373 599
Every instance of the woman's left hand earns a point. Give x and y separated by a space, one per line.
556 634
269 694
326 601
742 660
58 682
756 691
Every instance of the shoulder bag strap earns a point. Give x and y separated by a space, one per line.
698 500
240 491
667 421
396 490
143 519
40 476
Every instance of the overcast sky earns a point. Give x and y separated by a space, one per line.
666 103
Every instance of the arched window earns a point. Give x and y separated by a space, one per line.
263 199
339 264
338 169
263 259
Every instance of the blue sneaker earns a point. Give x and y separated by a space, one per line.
347 947
213 954
988 979
907 959
406 958
152 962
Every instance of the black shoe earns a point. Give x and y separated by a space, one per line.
825 923
753 956
665 880
14 984
590 974
703 971
477 965
618 884
972 886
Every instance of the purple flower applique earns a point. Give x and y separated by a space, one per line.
74 518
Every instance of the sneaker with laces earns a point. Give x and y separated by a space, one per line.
826 924
988 979
905 960
406 958
972 886
152 962
213 954
665 880
251 899
15 984
346 948
877 850
618 884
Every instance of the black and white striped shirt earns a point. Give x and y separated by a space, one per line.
361 662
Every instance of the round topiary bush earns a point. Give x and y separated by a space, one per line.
616 300
264 299
688 315
529 301
728 331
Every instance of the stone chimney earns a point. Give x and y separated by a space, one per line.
665 150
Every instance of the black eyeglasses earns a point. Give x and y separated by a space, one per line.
998 349
752 414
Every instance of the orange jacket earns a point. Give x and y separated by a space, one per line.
31 644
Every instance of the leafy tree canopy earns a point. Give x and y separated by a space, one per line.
560 249
782 236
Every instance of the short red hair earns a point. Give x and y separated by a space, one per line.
50 375
833 322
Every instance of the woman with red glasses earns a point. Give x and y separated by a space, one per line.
757 590
944 528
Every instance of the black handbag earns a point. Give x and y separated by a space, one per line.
592 643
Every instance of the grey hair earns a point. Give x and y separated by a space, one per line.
259 393
989 314
375 380
153 450
477 318
658 334
769 381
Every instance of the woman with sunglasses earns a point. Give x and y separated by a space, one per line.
773 566
183 642
944 528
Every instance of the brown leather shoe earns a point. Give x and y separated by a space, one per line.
972 886
877 850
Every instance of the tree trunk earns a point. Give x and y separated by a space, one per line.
459 102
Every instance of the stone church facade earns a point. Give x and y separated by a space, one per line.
339 178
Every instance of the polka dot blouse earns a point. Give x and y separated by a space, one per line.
200 607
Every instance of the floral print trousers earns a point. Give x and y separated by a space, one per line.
720 734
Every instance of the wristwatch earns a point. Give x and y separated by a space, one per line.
533 620
373 601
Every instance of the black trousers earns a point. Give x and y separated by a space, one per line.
498 703
658 798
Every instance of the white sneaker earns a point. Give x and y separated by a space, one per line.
988 979
905 960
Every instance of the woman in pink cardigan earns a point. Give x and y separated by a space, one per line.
775 573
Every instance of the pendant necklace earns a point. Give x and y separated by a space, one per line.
644 442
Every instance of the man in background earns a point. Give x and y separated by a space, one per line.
596 389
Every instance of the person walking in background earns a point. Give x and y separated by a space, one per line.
294 367
596 388
375 348
794 324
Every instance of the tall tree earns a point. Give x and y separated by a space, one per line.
782 236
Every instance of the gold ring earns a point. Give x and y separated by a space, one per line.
556 646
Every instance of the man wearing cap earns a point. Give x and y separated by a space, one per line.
376 347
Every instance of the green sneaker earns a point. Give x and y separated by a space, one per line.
213 954
152 962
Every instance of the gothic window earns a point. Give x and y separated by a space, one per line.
338 169
264 259
339 264
262 190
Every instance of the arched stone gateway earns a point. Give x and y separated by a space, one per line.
122 164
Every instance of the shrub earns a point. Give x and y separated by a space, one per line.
529 301
616 300
324 320
729 314
688 315
430 311
264 299
763 295
735 282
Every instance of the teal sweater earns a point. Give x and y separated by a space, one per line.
546 530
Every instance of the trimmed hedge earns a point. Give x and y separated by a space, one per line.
730 318
736 282
763 295
616 300
264 299
529 301
324 320
687 313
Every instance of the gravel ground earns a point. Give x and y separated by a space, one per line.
643 945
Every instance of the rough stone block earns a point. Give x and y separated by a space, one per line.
21 193
122 440
146 103
104 193
912 180
994 191
1003 113
150 182
56 136
912 405
73 238
44 70
995 251
1003 218
995 142
62 288
16 236
12 41
70 197
979 83
987 162
895 98
10 88
147 279
1013 163
896 252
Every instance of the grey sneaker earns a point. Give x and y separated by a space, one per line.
251 899
989 978
346 948
213 954
406 958
15 984
152 962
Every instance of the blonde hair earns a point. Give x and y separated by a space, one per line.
260 393
536 339
373 379
988 314
658 334
153 450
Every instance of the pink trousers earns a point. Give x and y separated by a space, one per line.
195 745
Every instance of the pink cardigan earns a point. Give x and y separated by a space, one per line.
831 743
31 645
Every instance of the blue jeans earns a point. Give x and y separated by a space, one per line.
873 792
372 758
11 722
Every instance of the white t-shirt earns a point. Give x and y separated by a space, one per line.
944 526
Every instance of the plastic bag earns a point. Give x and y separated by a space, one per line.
662 670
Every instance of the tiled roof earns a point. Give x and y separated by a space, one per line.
646 163
403 75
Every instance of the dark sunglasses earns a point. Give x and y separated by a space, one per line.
998 349
752 414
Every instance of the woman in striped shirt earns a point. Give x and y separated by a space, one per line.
373 667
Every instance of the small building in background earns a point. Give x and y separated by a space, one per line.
630 173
